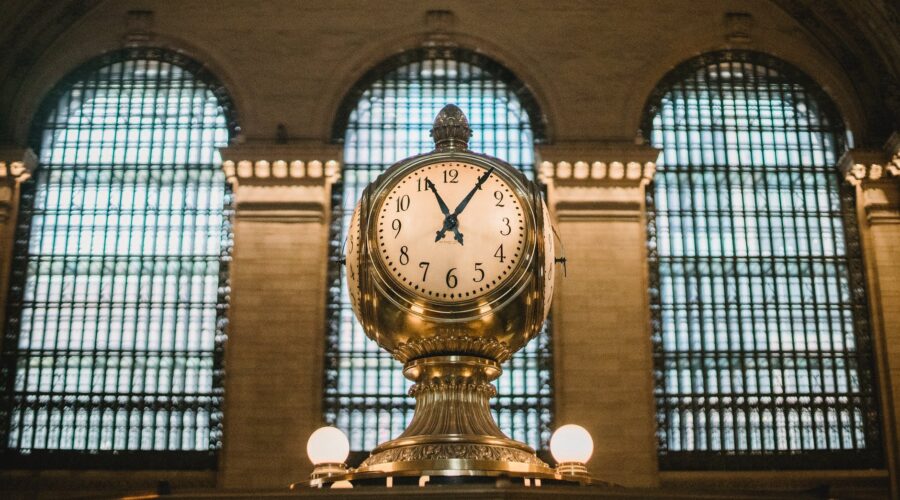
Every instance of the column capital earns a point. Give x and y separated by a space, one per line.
16 165
590 180
281 182
272 164
876 173
598 163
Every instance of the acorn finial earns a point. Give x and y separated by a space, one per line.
451 129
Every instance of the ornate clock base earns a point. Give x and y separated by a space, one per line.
452 431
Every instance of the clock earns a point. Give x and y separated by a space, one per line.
450 231
451 246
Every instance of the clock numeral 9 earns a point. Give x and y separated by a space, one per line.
498 195
478 270
403 203
404 256
451 278
499 253
508 228
396 225
424 265
451 176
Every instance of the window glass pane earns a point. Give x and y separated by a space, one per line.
365 387
759 311
116 310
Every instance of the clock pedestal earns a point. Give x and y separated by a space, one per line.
452 431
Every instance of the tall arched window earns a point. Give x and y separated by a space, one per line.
385 119
763 353
113 347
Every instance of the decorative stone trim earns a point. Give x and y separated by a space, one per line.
280 171
12 172
271 187
615 172
876 174
862 165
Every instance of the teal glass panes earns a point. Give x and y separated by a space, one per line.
760 321
117 304
388 118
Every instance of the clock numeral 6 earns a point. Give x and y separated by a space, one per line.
506 222
403 203
404 256
424 265
480 271
451 278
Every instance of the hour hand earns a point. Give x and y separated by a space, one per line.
430 185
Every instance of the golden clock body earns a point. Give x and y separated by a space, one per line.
482 231
492 317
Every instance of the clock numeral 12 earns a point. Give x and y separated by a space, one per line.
451 176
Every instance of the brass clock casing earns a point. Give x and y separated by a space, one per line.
452 350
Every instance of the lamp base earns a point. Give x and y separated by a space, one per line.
452 429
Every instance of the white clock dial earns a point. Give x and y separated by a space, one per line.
450 231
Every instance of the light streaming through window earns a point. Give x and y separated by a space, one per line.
391 120
117 306
759 309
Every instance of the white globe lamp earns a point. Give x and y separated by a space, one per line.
571 446
327 449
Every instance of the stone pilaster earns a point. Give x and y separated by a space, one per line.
16 166
876 176
604 365
274 354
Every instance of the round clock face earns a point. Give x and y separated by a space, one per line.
450 231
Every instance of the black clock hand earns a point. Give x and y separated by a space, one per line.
430 185
465 201
450 222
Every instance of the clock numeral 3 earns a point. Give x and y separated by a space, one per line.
499 253
498 195
424 265
508 228
480 271
403 203
404 256
451 278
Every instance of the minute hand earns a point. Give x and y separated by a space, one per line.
465 201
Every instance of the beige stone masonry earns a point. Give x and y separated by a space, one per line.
274 354
876 176
603 364
16 166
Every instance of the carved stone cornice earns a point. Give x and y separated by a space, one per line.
594 181
281 182
16 165
876 173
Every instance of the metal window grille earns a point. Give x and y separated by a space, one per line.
112 355
388 118
763 355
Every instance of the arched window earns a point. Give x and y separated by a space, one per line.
385 119
113 350
763 354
